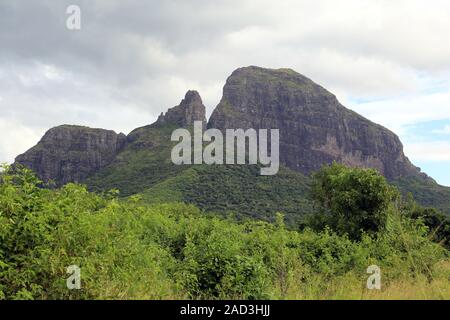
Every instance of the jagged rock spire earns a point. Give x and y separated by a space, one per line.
189 110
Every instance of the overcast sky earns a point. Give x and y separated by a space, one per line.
131 60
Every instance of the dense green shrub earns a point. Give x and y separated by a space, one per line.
127 250
437 223
355 199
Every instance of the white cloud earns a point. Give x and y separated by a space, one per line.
398 112
15 139
438 151
445 130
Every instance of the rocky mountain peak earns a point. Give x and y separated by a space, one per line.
189 110
70 153
315 129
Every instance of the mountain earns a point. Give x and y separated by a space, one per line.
72 153
315 129
146 159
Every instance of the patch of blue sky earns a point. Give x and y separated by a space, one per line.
429 143
365 100
440 171
437 130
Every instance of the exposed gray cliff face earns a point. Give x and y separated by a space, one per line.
71 153
315 129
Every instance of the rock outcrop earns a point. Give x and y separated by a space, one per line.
72 153
315 129
189 110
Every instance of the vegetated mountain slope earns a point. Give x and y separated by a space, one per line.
426 192
145 166
315 129
146 160
238 190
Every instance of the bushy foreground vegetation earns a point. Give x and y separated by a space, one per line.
127 250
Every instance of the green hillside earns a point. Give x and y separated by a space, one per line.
426 192
144 162
145 168
239 190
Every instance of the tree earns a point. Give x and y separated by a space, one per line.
352 199
437 223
